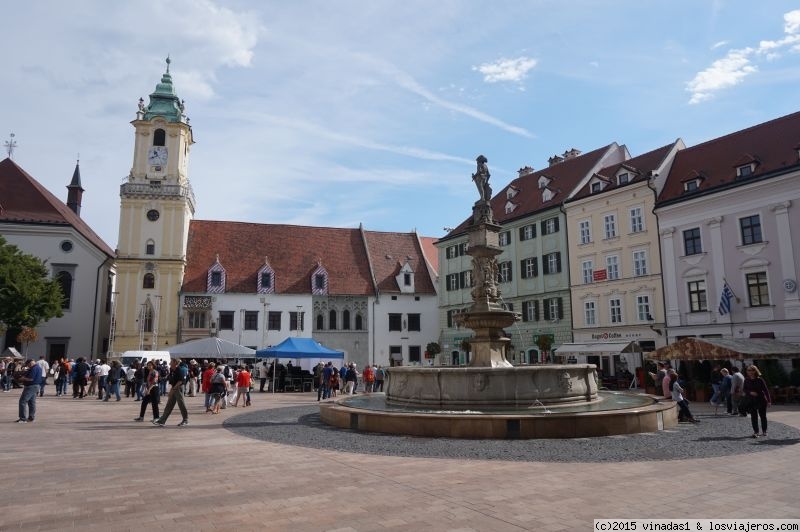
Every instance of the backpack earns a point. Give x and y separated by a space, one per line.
227 372
162 372
183 373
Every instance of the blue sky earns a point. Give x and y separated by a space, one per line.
336 113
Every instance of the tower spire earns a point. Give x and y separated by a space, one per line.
75 189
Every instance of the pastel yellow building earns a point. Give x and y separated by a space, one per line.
157 204
615 265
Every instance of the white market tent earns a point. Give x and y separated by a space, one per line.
211 347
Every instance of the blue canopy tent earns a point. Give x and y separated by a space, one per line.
307 351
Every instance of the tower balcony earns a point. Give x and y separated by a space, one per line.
157 191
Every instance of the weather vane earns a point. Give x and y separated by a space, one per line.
9 145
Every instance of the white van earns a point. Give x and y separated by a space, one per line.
143 357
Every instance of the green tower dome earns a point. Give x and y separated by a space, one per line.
164 102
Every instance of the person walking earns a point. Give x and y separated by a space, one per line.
205 383
151 392
60 377
368 376
263 375
115 375
31 382
45 366
758 398
351 378
725 391
178 375
81 372
101 378
677 396
130 381
737 391
243 387
219 389
380 377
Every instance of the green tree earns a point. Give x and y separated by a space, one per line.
28 296
433 349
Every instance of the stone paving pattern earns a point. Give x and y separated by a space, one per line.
86 465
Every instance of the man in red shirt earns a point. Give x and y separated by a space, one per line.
243 383
205 383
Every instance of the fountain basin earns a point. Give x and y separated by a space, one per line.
479 387
612 413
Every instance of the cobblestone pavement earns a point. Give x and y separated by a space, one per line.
85 464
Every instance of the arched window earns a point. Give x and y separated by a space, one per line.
359 322
150 248
332 320
346 320
320 322
149 281
65 282
159 137
147 318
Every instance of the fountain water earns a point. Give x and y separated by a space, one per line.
490 398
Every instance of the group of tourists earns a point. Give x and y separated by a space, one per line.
330 380
740 394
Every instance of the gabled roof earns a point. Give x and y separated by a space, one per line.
564 176
24 200
773 145
431 253
294 253
638 168
388 254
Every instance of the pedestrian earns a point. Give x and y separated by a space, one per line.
335 385
380 377
163 376
219 389
101 378
724 391
3 363
351 379
716 383
130 380
263 375
369 378
677 396
31 381
737 391
758 399
243 387
205 382
178 375
152 394
80 372
113 378
45 366
59 376
194 373
66 374
658 378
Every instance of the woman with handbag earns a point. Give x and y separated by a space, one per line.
758 399
151 392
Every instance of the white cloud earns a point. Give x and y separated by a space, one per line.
719 44
738 63
594 64
723 73
506 69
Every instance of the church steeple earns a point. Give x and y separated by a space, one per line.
75 190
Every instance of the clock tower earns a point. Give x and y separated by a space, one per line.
157 204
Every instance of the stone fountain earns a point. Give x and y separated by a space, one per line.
489 379
490 398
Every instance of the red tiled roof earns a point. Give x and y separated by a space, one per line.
431 253
565 176
25 200
772 145
639 168
389 252
293 252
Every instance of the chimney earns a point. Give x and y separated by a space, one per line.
525 170
75 190
571 154
555 159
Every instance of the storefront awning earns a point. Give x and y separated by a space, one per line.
725 349
598 347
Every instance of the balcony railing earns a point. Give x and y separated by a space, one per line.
147 189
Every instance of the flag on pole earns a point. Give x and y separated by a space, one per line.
725 299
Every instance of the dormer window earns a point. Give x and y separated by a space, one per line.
319 281
215 282
744 170
265 279
547 195
691 186
405 278
511 192
623 179
597 186
543 182
510 206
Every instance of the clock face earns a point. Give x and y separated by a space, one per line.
157 155
153 215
